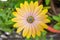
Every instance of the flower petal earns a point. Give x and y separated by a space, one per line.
38 31
29 33
33 32
44 25
14 13
44 12
23 10
40 28
17 9
25 31
38 9
31 7
14 20
45 20
35 4
20 29
26 6
15 25
21 5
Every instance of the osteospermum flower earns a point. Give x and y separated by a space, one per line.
31 19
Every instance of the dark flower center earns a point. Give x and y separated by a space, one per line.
30 19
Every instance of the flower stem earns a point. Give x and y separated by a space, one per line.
53 30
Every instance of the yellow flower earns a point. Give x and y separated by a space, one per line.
30 19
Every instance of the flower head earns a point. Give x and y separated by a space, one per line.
30 19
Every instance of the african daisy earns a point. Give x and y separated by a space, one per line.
31 19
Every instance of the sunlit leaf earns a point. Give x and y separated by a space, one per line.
57 26
57 18
47 2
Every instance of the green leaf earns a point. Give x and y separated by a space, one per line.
51 38
47 2
47 7
5 20
6 30
43 35
59 15
57 18
36 38
50 18
57 26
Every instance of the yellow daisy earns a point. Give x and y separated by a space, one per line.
30 18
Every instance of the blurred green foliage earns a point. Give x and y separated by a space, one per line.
12 3
57 25
51 38
47 2
43 35
5 20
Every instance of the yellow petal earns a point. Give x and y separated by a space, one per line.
18 13
31 6
38 9
14 13
25 31
33 32
17 20
22 10
42 17
36 4
14 20
37 31
21 5
20 29
44 25
40 28
46 21
29 33
25 7
17 9
16 25
26 4
44 11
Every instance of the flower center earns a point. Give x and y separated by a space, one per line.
30 19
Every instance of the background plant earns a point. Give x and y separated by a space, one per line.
5 20
57 19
